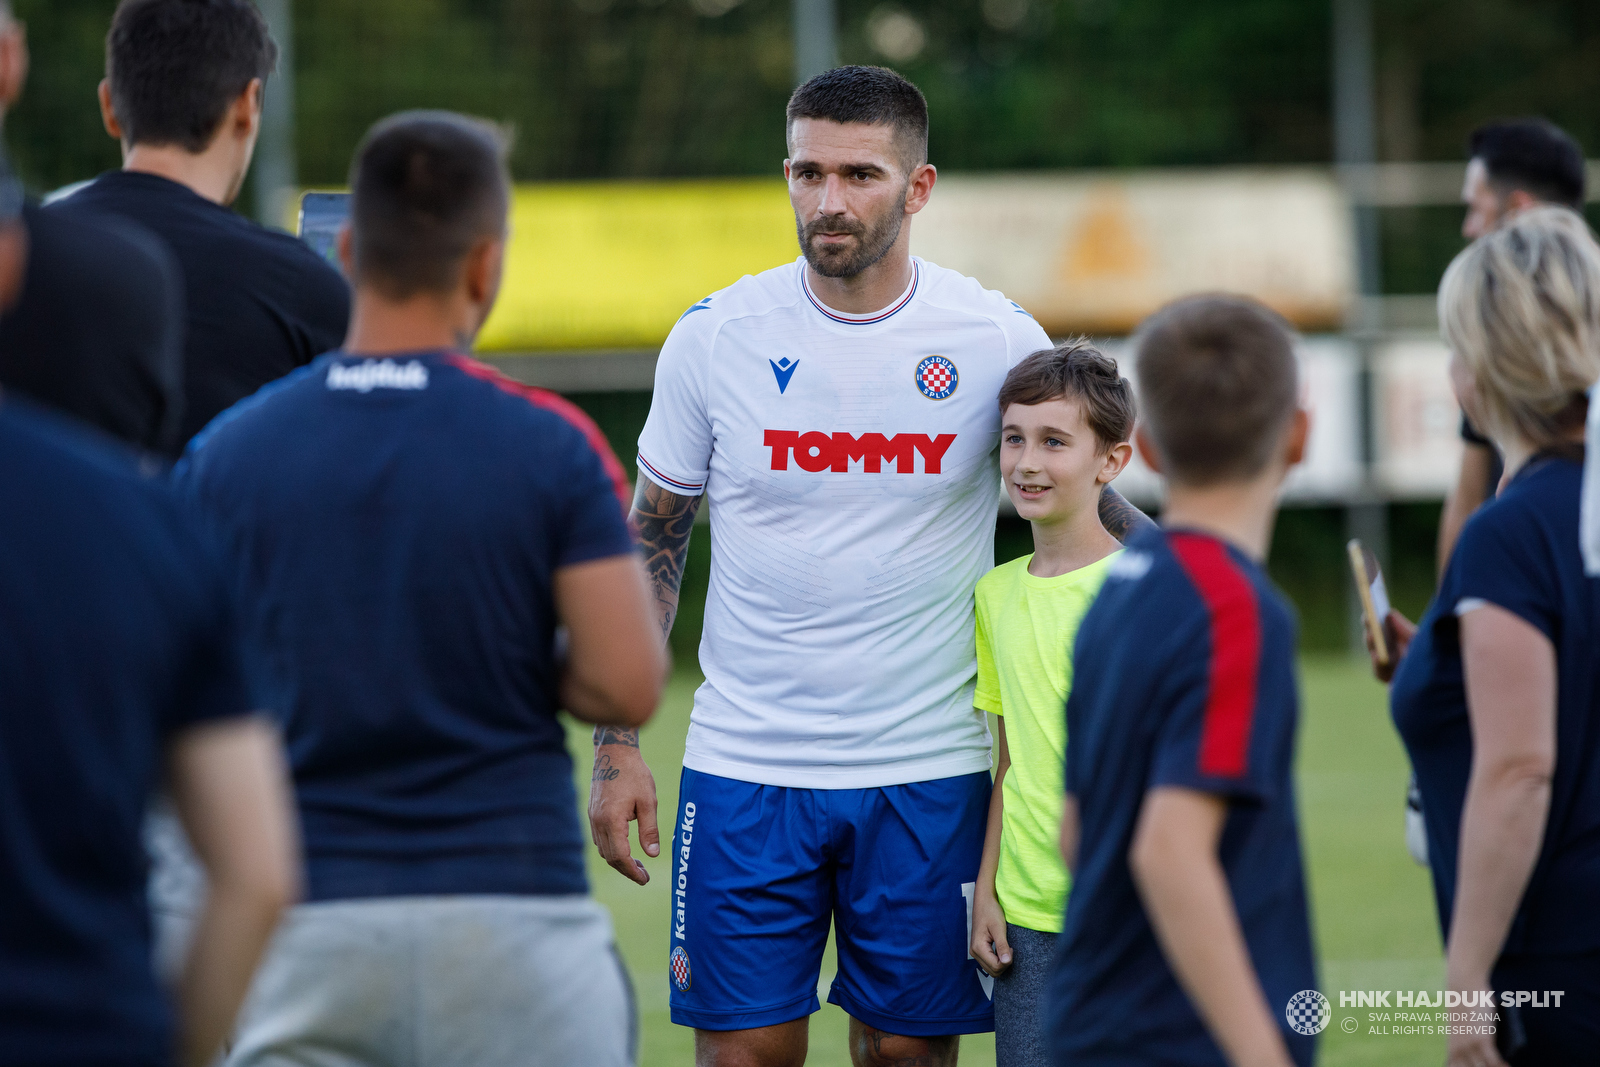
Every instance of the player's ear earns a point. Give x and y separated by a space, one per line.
108 117
346 245
1516 202
1147 448
920 188
1295 439
247 109
1117 459
484 266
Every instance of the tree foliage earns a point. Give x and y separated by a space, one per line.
661 88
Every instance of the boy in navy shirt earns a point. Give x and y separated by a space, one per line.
412 529
1186 939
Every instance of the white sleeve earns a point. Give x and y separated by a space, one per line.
1024 335
675 445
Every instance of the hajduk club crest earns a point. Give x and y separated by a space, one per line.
937 377
681 978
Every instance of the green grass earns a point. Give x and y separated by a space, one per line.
1372 906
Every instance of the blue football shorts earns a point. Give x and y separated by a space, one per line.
759 871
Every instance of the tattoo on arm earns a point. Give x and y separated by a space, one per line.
614 735
1121 519
664 521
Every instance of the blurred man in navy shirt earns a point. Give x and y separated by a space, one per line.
412 529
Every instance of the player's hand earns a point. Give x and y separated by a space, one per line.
1472 1050
1397 633
989 945
623 790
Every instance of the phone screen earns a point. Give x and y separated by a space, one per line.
1374 595
322 216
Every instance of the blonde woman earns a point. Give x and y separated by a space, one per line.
1497 697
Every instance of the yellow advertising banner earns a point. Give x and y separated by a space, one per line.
614 265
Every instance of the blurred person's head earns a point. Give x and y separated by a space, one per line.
1066 415
1515 165
1219 393
857 166
430 195
1520 312
185 78
13 58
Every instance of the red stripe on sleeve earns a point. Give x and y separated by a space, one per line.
1235 617
544 398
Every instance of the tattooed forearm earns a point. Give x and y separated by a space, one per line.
664 521
1121 519
614 735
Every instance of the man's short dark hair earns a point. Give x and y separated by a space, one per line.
1533 155
875 96
176 65
1218 384
1075 370
426 186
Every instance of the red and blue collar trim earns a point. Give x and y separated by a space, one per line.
851 320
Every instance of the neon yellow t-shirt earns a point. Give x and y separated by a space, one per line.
1026 626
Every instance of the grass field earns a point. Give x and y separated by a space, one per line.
1372 906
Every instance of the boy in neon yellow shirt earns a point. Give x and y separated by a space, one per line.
1067 416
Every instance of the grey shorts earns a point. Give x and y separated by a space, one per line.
1019 993
467 981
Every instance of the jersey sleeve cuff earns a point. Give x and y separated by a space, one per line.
682 485
1249 790
987 702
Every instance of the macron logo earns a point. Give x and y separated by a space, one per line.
372 374
783 370
817 451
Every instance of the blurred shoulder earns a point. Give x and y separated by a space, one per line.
1540 506
99 246
260 411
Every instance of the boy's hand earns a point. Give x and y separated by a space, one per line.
989 945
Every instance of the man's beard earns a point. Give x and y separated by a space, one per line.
832 261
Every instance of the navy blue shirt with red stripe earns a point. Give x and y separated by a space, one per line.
397 524
1183 676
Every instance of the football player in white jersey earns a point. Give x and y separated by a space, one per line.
840 414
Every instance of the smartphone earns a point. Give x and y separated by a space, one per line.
1374 596
322 216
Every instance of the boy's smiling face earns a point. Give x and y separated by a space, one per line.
1053 464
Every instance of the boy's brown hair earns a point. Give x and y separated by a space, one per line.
1218 383
1076 370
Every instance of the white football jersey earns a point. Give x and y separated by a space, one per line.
851 467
